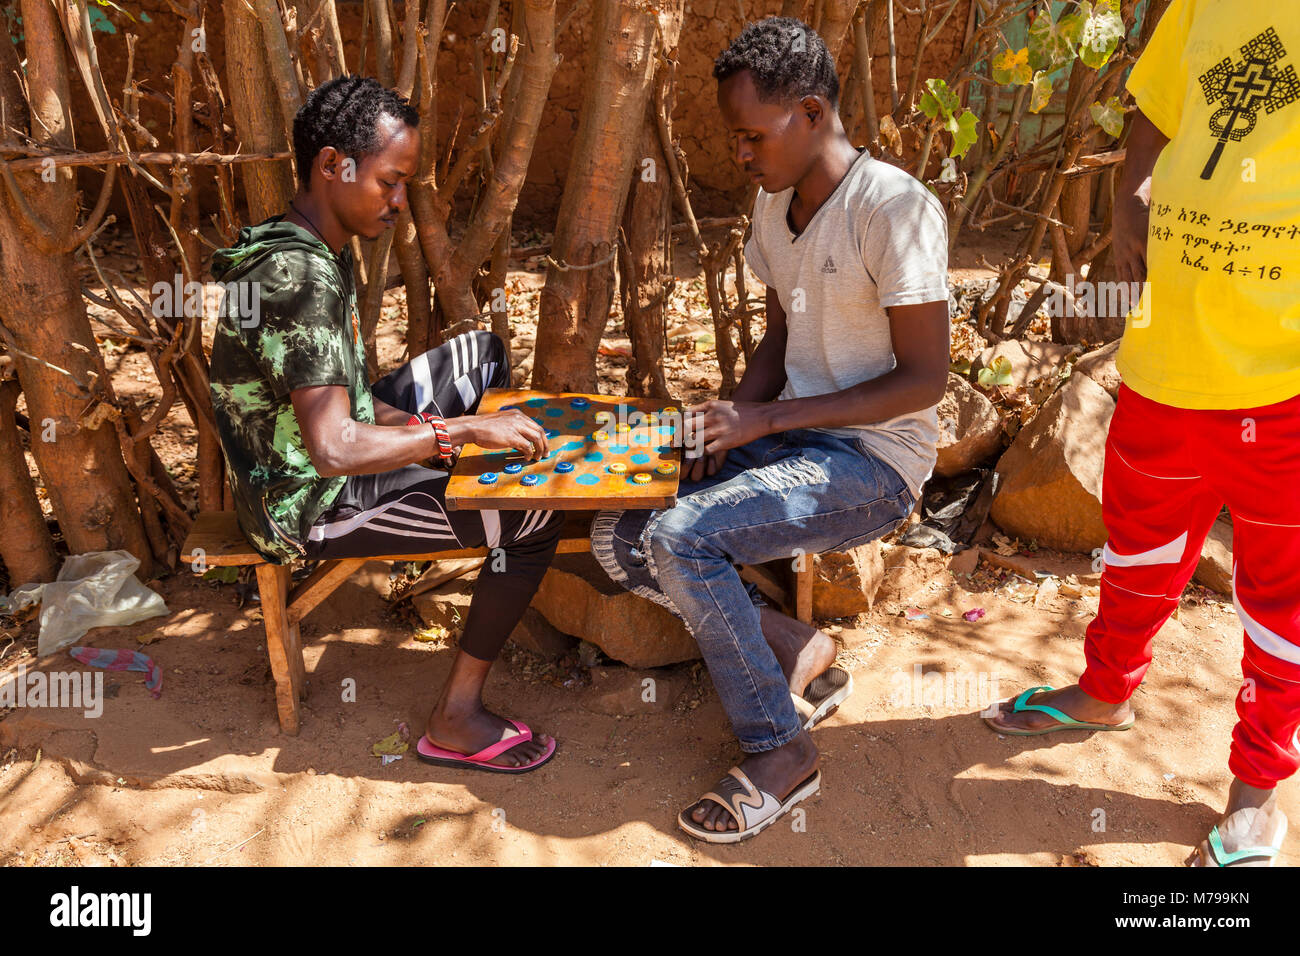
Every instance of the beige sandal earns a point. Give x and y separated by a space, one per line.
753 809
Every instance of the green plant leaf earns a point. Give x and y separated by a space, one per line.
965 131
1042 92
1011 67
938 100
1109 116
1052 42
998 373
224 575
1103 29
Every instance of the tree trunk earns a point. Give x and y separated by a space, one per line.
646 253
45 323
26 546
453 266
579 280
255 105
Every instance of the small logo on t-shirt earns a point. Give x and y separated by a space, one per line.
1242 88
829 265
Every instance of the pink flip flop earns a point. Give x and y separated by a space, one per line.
430 753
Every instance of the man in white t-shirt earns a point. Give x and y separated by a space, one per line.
829 436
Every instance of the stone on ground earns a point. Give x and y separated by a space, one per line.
845 582
578 598
970 429
1050 489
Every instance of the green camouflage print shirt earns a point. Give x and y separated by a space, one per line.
288 321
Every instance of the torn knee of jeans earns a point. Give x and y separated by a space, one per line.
790 473
723 496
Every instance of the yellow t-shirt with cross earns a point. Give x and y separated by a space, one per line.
1218 324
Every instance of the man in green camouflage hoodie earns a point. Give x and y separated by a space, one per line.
324 464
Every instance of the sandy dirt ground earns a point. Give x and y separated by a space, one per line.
202 775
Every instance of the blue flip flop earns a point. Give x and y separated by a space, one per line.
1246 856
1067 722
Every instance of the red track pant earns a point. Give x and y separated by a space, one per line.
1168 472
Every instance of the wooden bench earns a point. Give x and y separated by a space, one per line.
215 541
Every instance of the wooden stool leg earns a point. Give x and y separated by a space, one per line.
803 588
282 644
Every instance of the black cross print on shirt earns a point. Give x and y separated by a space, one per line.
1241 88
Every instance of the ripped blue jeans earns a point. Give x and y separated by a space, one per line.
782 496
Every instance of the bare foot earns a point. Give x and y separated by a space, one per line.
803 651
469 731
777 771
1069 700
1252 819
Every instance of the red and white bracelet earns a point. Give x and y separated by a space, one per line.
445 450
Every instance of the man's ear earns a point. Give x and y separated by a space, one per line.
329 163
812 108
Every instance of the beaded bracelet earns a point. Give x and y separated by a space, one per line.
440 433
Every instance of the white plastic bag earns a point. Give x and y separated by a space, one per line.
96 589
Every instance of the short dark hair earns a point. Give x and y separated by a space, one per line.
344 113
787 58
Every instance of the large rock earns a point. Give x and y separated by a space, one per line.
1099 365
907 571
1214 570
538 635
578 598
845 582
1028 360
969 428
1050 477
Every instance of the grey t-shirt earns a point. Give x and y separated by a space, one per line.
879 240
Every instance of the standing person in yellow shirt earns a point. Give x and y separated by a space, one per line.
1208 214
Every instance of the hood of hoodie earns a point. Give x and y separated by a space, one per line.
256 243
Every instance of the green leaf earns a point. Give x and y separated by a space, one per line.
1051 42
961 366
998 373
938 100
965 132
390 746
1042 92
1109 116
1011 67
224 575
1103 29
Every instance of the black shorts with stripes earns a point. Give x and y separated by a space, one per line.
404 511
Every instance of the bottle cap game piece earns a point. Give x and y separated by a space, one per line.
513 468
600 436
641 477
670 410
487 478
624 427
564 467
617 468
667 468
579 403
530 479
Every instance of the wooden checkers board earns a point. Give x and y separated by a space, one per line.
591 462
